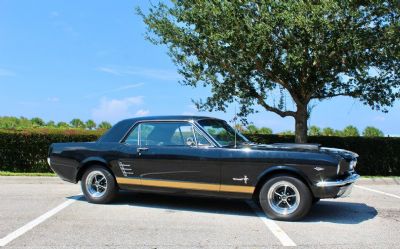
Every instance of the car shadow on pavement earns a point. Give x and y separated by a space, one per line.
324 211
175 203
340 212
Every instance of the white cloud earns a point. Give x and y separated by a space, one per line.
116 109
6 72
109 70
127 87
54 14
154 73
53 99
118 89
142 112
63 26
379 118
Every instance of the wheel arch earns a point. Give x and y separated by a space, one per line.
85 164
280 170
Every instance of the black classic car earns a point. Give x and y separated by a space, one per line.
204 156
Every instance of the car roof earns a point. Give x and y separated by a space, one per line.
169 117
120 129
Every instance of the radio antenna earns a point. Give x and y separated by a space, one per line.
234 119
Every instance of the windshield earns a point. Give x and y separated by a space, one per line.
222 132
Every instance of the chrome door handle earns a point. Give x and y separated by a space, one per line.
139 150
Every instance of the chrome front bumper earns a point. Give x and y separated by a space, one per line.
339 183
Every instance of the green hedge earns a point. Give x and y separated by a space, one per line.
378 155
26 151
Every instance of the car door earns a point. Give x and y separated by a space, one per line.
175 156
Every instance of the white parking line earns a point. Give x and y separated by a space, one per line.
377 191
272 226
20 231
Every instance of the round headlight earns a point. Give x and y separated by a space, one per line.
352 164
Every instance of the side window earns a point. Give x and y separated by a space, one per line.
133 137
201 140
166 134
145 130
183 135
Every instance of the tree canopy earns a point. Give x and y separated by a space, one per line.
104 125
252 51
90 124
370 131
351 131
77 123
7 122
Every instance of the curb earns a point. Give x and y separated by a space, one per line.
31 180
379 181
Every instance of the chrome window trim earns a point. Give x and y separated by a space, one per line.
192 122
194 135
126 135
211 137
203 134
139 135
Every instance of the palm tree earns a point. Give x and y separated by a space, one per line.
90 124
77 123
104 125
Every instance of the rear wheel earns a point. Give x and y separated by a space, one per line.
98 185
285 198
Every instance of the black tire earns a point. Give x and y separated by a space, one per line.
98 185
291 205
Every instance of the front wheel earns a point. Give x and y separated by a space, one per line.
285 198
98 185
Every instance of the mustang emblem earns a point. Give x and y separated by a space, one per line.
243 179
318 168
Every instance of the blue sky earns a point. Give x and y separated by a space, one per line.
89 59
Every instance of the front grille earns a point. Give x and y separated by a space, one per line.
346 168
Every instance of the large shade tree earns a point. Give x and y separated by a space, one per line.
250 51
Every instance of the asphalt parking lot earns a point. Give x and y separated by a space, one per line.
44 212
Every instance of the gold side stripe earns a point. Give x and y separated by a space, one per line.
186 185
235 188
133 181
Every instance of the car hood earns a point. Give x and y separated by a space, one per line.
348 155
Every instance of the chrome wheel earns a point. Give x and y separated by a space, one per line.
283 197
96 184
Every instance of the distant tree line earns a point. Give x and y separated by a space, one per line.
23 123
348 131
76 123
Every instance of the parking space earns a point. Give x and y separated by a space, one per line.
25 198
366 219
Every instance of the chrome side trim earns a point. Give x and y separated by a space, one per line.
350 179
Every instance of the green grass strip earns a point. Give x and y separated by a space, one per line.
8 173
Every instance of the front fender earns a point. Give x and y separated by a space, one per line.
283 169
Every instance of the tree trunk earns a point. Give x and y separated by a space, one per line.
301 124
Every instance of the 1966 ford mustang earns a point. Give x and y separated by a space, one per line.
204 156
